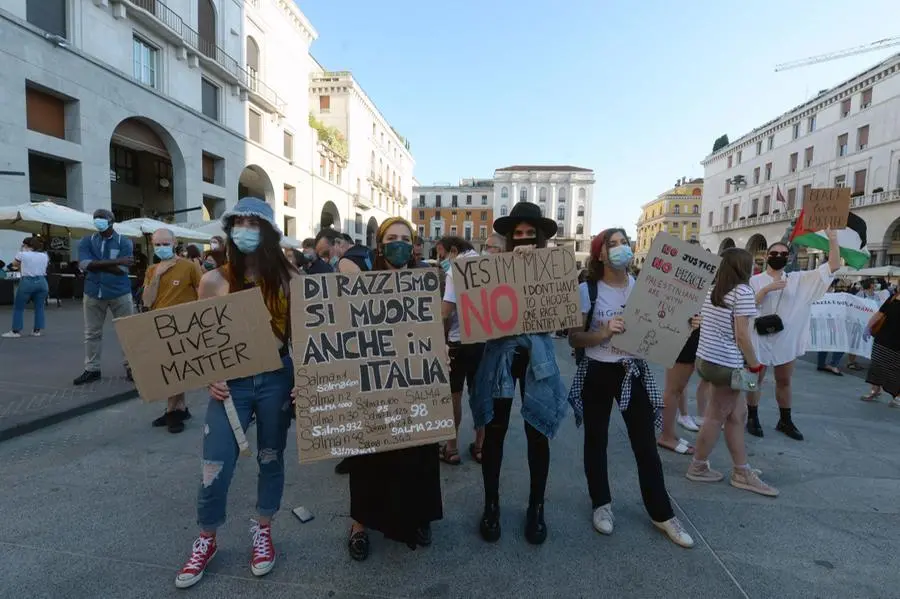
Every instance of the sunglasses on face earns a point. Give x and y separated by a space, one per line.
779 254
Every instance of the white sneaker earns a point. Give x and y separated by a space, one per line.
11 335
603 519
698 420
688 423
676 532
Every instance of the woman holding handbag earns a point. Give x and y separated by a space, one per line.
724 349
884 369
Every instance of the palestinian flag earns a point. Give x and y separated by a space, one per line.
851 239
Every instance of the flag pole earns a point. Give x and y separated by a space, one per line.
793 263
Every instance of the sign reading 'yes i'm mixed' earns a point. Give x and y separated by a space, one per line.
370 363
514 293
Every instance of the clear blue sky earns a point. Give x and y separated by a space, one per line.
637 94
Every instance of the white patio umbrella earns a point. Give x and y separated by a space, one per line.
214 228
148 226
54 220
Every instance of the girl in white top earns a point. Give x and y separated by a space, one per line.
791 298
723 348
32 264
608 376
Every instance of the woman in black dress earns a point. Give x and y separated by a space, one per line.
397 493
884 369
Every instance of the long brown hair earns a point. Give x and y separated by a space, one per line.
595 266
272 265
735 269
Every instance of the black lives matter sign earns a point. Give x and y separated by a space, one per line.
370 363
188 346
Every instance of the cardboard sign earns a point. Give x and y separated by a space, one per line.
838 322
826 209
514 293
192 345
670 290
370 363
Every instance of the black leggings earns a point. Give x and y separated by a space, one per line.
601 387
492 454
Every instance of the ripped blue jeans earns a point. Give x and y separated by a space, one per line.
268 396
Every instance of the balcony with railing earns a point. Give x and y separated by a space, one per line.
262 95
872 199
361 202
165 22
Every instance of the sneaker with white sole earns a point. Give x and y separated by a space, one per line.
263 559
676 532
894 403
202 552
748 479
700 472
688 423
11 335
603 519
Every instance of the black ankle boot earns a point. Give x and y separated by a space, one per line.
535 527
490 522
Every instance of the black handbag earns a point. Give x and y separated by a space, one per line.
770 323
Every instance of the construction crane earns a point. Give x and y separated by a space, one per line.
879 45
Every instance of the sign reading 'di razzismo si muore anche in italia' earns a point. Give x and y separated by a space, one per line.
370 363
514 293
191 345
671 289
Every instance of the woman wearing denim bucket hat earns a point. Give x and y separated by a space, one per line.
520 358
254 259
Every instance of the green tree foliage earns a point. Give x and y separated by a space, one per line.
720 143
331 137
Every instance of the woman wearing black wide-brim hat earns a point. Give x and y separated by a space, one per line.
526 212
505 361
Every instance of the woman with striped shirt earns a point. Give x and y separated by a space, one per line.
724 347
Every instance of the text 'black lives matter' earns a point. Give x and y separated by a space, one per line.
203 331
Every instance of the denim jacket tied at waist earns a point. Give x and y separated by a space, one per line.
545 395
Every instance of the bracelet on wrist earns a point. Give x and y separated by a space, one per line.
755 369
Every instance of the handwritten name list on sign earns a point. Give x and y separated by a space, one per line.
370 363
515 293
826 209
192 345
669 291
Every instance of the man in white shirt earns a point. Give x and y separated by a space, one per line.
464 358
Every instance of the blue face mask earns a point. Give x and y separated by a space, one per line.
620 256
334 261
398 253
246 240
445 264
101 224
164 252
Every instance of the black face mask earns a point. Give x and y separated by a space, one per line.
777 262
514 243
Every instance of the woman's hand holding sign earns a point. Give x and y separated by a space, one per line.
219 391
615 326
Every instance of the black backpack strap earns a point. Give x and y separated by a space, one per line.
592 295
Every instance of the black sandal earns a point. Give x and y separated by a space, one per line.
358 545
449 456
